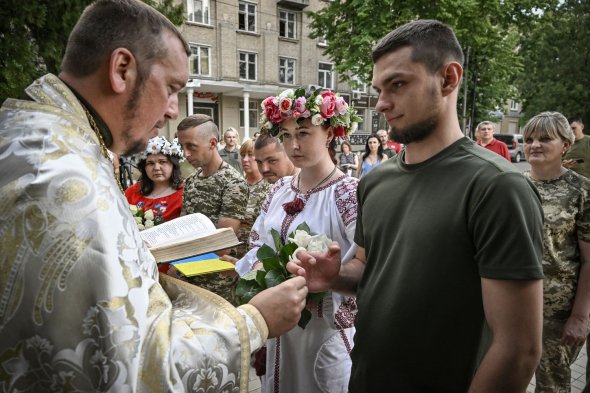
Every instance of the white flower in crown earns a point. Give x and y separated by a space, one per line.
159 145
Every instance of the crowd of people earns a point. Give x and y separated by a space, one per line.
422 258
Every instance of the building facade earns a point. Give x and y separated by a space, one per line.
246 50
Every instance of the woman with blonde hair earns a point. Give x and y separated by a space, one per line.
566 251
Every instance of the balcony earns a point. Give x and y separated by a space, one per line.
293 4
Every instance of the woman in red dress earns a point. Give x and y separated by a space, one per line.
160 185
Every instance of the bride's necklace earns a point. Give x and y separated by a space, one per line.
297 204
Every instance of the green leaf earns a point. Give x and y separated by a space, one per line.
251 275
305 318
304 227
276 236
286 252
268 257
274 278
260 274
246 290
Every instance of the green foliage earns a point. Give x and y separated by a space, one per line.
274 272
33 36
489 28
556 49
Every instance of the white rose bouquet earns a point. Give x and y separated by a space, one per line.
145 219
274 270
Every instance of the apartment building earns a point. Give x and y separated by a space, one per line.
246 50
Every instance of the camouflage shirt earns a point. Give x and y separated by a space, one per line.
566 209
256 195
222 194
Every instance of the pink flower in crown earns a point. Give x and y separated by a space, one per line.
341 106
328 105
285 104
271 110
300 104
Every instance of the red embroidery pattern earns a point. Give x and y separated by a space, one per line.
346 313
345 340
277 364
271 193
346 201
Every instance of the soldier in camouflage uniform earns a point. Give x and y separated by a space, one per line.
216 190
566 207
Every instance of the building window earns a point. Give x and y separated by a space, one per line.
248 66
247 17
253 113
513 105
199 60
322 41
362 123
358 85
287 25
325 75
287 71
198 11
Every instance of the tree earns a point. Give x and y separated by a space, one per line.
33 35
487 29
556 52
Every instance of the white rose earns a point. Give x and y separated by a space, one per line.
317 119
141 227
133 209
301 238
318 243
149 215
139 220
319 100
149 224
289 93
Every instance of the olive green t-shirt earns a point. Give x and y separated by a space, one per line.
580 150
431 231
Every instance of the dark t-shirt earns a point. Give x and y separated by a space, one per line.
431 231
580 150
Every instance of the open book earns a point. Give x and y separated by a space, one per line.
186 236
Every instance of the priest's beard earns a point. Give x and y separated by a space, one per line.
134 146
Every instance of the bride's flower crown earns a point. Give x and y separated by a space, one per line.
160 145
321 106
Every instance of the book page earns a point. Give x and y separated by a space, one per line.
177 230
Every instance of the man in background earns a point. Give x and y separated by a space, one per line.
577 157
384 139
230 151
271 159
485 137
82 306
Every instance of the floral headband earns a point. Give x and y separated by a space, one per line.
323 107
160 145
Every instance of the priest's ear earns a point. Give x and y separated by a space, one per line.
123 70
